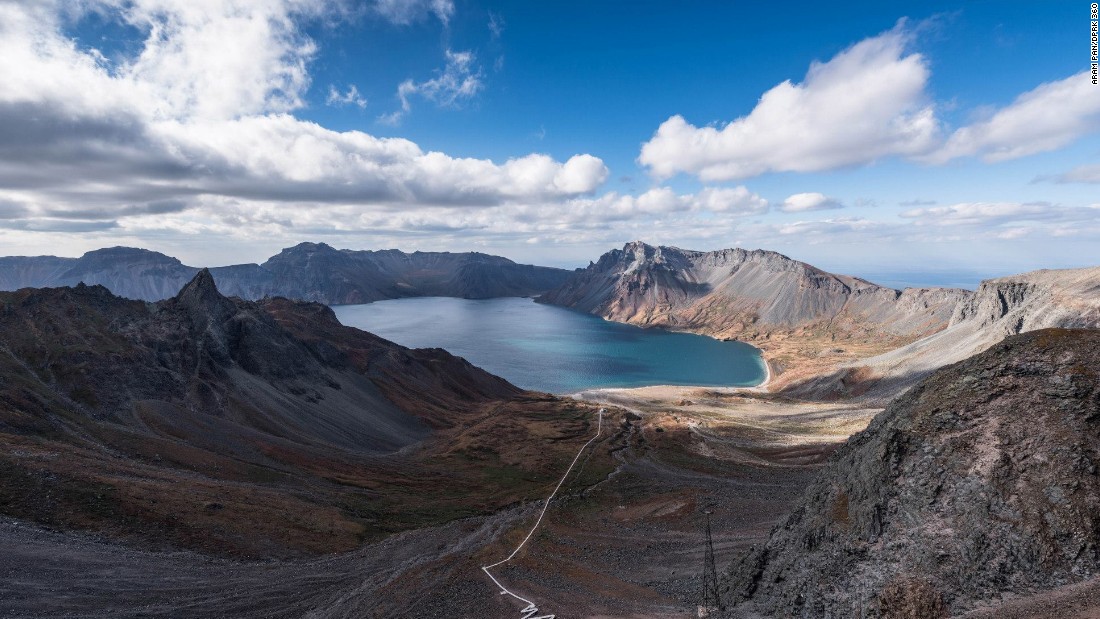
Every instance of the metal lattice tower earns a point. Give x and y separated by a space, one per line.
711 599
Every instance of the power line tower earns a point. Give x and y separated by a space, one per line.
712 601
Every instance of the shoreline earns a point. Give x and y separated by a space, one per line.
762 387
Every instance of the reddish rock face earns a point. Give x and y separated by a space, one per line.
980 480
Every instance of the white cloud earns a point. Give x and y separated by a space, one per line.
658 202
1045 118
605 218
405 12
79 133
459 80
1006 220
581 174
224 60
969 213
865 103
734 200
1081 174
496 25
802 202
350 97
828 230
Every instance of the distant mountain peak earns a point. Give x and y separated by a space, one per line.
127 253
308 246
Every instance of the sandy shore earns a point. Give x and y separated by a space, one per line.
739 423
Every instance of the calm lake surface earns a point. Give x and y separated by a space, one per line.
548 348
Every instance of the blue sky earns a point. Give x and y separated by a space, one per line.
914 143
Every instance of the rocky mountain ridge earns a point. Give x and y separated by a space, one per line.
248 428
734 292
1067 298
804 318
308 271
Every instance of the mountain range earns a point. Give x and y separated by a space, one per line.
265 429
308 271
824 335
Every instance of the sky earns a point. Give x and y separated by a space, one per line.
913 143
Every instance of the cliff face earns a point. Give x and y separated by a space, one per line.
738 293
805 319
1000 307
129 272
979 481
259 429
308 271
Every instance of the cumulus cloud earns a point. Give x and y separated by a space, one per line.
802 202
204 60
1045 118
865 103
184 119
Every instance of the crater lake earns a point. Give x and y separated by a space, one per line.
549 348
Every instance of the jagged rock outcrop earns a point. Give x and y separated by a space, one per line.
308 271
1000 307
981 480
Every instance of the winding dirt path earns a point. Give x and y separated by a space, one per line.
531 610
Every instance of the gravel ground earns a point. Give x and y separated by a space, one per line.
629 547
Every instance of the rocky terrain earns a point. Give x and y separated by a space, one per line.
205 455
979 482
1000 307
308 271
624 541
805 319
251 429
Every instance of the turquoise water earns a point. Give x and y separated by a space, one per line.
548 348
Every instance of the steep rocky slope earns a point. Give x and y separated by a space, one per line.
1000 307
800 315
308 271
259 429
980 481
